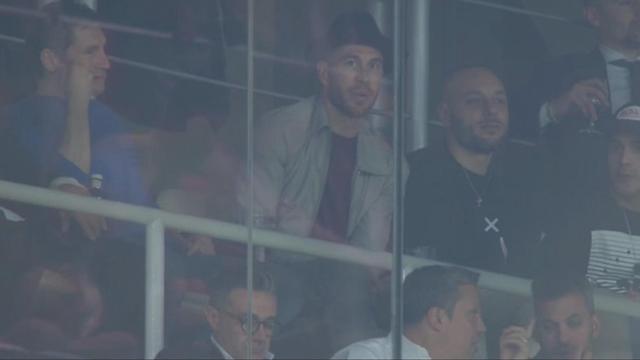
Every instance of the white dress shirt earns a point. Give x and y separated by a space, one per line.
225 354
381 348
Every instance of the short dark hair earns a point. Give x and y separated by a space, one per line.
222 285
453 70
433 286
53 30
553 286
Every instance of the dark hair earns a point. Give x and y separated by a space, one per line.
356 28
54 30
455 69
433 286
553 286
222 285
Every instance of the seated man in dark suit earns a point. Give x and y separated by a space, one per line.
579 86
230 332
571 96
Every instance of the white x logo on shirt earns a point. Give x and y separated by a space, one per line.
491 225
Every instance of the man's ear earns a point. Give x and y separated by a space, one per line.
49 60
444 114
213 316
322 69
436 318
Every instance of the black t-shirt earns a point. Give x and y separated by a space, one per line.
442 211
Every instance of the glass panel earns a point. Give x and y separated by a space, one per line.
324 167
158 124
149 105
539 58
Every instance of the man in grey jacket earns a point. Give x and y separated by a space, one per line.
322 172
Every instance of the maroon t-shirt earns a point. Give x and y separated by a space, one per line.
333 214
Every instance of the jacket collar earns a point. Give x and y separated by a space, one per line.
374 155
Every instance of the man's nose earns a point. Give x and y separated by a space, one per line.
625 157
563 336
481 326
262 333
103 61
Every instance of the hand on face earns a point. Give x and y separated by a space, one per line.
514 342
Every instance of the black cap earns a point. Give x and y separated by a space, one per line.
626 119
357 28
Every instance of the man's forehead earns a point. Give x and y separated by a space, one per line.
356 51
239 299
479 80
84 34
468 296
627 135
564 307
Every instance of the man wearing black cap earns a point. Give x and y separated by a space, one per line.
601 237
322 172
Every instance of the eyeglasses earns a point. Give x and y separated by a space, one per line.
270 324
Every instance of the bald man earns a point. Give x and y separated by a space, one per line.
474 197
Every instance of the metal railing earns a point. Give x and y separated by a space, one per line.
157 220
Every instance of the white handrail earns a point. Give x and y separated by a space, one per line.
155 219
154 290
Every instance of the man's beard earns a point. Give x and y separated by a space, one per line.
469 140
339 99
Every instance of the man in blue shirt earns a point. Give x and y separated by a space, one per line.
63 138
70 136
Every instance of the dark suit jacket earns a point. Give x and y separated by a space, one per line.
577 161
553 78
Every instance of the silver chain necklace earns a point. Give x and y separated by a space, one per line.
479 196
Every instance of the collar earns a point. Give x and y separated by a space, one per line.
411 350
226 355
611 55
374 155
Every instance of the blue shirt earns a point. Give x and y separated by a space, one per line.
37 125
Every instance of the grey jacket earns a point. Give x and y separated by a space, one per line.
292 153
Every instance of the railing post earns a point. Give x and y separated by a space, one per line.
154 290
